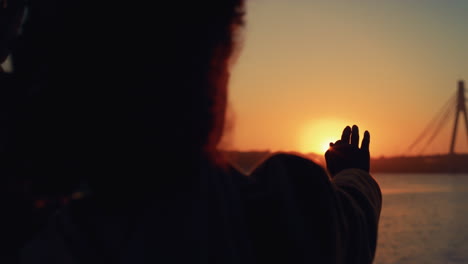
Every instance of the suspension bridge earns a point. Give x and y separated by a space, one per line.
454 107
450 162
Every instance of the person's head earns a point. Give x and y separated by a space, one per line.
132 86
11 13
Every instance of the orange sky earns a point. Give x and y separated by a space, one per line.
308 68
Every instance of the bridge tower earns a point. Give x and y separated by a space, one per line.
460 108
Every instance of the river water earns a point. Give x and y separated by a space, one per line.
424 219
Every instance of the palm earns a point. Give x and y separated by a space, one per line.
346 154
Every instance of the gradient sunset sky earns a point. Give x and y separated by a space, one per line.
308 68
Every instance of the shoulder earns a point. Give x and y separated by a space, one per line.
282 169
292 211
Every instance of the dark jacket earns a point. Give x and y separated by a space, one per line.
288 211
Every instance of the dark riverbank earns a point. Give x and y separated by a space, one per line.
456 163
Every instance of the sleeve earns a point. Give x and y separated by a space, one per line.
359 202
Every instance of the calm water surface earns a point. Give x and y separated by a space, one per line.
424 218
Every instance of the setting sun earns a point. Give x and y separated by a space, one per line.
325 146
317 135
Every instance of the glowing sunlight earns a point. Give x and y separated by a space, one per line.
316 136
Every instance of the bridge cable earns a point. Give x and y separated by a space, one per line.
436 119
444 119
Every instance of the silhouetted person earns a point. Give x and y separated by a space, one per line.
131 102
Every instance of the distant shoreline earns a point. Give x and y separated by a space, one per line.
449 163
454 163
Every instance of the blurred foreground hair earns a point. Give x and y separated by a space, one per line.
124 86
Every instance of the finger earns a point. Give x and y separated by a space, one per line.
355 136
338 142
334 145
345 135
365 141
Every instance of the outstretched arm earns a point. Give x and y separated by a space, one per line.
358 195
349 167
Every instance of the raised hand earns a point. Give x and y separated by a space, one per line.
346 154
